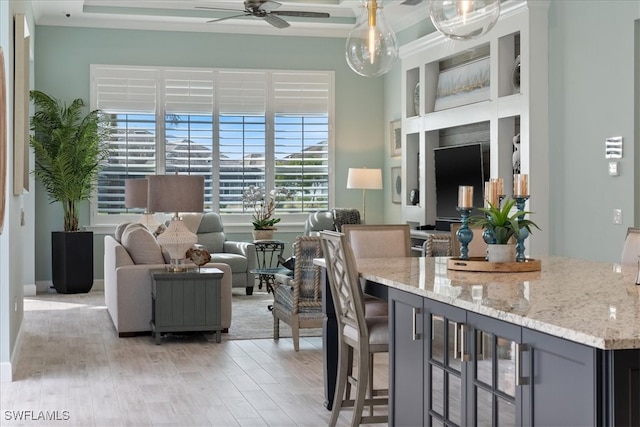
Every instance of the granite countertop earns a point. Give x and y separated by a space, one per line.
593 303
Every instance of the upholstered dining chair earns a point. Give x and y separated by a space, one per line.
437 245
297 300
359 337
631 248
378 241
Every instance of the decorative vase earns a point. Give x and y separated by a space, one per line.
501 253
264 234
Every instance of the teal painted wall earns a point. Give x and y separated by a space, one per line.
63 56
592 51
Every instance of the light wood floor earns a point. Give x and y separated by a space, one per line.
72 366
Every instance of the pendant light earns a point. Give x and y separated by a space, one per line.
371 48
464 19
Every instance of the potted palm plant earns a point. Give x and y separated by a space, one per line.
501 229
69 149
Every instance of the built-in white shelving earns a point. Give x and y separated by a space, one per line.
504 108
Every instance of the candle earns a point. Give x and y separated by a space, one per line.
488 193
520 185
499 186
465 197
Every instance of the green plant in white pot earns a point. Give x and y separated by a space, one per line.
501 228
70 148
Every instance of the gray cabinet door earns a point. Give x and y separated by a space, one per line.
494 386
406 361
563 378
445 371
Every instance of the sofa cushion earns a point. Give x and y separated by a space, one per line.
237 262
141 245
119 230
211 233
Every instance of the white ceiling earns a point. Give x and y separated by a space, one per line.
183 15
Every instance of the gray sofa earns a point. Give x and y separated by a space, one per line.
127 282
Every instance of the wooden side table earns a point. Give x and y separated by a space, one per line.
186 301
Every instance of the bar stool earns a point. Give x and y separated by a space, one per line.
358 336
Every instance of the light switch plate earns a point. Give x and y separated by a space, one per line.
617 216
614 168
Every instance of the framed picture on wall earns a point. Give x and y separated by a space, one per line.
396 184
396 138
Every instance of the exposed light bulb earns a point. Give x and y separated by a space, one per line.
371 48
464 19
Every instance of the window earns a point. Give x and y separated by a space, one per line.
237 128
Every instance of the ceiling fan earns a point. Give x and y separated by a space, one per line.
266 9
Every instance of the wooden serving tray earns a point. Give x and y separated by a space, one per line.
480 264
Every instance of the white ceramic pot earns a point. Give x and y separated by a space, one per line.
263 234
501 253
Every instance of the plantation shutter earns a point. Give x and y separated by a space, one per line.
129 96
301 104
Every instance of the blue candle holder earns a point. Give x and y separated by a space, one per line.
523 233
464 233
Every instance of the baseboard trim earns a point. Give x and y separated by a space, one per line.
30 290
45 286
7 368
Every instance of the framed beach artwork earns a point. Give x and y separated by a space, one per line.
21 106
3 139
396 138
396 185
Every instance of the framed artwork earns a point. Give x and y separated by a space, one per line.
396 185
3 139
21 106
396 138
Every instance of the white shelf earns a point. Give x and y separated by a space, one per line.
520 31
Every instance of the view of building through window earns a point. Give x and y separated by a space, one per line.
287 146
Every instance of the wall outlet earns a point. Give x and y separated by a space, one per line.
617 216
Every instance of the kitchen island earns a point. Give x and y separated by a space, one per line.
560 346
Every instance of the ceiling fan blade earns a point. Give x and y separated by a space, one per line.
411 2
276 22
229 17
218 8
268 5
301 14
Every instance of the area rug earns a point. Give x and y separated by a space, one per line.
251 318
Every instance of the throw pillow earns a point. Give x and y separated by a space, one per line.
141 245
120 229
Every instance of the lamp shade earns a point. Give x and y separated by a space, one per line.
135 193
175 193
364 179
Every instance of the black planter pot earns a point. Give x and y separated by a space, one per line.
72 261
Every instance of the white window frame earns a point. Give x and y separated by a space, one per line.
233 222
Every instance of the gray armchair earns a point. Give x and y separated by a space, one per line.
240 256
332 220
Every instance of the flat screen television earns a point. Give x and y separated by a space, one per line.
454 166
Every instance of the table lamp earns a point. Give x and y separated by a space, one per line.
176 193
135 196
364 179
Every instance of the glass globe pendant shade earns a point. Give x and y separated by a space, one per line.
371 48
464 19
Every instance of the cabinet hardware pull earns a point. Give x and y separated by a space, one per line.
520 348
456 339
414 324
463 354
